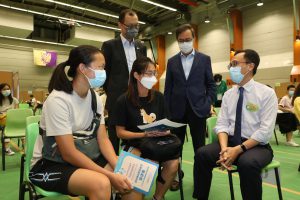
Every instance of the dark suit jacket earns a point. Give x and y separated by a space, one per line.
117 69
199 89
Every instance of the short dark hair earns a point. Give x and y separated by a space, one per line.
183 28
217 77
290 86
251 56
124 13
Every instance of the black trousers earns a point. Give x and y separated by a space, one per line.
197 128
249 165
112 134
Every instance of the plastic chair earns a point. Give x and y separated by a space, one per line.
32 131
211 123
273 165
15 127
33 119
217 110
23 105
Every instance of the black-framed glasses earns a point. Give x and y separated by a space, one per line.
235 63
131 26
151 73
185 40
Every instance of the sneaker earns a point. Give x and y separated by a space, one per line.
292 143
9 152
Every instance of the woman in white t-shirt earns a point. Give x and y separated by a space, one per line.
59 164
7 101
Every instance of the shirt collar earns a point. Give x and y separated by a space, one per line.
248 86
191 54
125 41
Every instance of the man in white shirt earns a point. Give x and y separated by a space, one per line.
244 127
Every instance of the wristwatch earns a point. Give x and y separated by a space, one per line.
243 147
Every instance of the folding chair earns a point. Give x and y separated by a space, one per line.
32 131
14 128
211 123
23 105
33 119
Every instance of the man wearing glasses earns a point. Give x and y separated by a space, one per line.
120 53
244 127
189 88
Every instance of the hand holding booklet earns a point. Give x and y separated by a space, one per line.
139 171
161 125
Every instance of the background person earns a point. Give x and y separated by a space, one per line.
7 101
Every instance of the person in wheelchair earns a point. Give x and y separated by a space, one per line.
73 154
142 105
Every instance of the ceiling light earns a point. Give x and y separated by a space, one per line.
87 9
170 33
58 17
260 3
159 5
38 41
206 19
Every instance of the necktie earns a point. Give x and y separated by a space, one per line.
237 139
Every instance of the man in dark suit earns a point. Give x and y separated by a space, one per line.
120 53
189 88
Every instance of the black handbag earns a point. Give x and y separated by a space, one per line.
159 148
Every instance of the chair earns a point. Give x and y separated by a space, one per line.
14 128
32 131
33 119
23 105
211 123
217 110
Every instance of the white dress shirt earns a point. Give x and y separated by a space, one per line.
187 62
129 49
258 113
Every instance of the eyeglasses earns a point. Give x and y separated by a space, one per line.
102 67
150 73
235 63
132 26
185 40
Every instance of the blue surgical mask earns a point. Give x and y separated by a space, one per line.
235 74
291 93
99 80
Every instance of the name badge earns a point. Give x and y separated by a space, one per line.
252 107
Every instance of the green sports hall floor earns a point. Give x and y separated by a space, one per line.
289 158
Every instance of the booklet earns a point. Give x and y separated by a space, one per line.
139 171
161 125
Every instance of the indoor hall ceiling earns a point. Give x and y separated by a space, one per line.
155 17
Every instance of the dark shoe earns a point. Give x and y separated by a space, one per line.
174 186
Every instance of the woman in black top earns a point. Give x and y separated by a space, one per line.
142 105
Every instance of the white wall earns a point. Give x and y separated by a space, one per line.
17 56
171 46
269 30
214 41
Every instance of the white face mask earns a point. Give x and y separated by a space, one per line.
186 47
148 82
6 93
